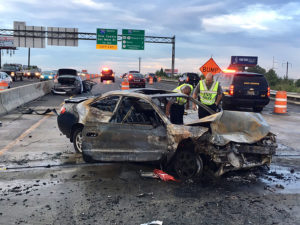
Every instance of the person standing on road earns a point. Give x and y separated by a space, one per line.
175 108
210 94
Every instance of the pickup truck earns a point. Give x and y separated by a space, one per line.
14 70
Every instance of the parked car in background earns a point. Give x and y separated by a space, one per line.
32 72
107 74
68 82
136 80
244 89
148 75
189 78
122 126
47 75
4 77
14 70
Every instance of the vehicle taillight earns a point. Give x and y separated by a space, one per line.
113 74
101 75
187 79
268 94
231 90
62 110
130 77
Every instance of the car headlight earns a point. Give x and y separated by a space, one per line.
42 77
50 77
37 74
28 73
12 73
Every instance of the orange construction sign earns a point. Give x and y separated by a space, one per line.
210 67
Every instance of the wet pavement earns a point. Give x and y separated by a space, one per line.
43 180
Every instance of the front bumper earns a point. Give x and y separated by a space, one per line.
235 156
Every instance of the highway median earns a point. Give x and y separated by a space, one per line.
12 98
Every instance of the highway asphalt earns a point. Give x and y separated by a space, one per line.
43 181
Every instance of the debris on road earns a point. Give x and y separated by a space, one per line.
164 176
144 194
157 222
150 174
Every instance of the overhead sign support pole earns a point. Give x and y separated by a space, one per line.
173 55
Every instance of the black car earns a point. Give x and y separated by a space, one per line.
244 89
107 74
189 78
68 82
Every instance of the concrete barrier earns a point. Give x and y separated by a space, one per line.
15 97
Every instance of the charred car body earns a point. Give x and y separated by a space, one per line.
132 126
69 82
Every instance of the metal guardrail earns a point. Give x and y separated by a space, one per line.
292 97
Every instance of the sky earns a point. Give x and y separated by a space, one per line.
269 29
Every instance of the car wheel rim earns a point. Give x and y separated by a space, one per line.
78 141
188 164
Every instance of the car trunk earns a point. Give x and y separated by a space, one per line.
66 79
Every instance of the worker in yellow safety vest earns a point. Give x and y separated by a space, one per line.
175 107
209 92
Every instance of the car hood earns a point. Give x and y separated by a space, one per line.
239 127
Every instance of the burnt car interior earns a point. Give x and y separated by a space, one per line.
136 111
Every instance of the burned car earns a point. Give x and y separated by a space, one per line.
132 126
68 81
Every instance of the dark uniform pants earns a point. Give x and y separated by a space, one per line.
203 113
176 113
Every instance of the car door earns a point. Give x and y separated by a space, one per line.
134 133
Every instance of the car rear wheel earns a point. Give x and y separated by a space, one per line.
188 164
77 140
257 109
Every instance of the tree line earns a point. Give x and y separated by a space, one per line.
276 82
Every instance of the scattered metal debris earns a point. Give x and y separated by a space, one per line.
156 222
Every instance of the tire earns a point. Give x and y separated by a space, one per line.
113 80
77 140
188 164
257 109
101 80
21 78
14 79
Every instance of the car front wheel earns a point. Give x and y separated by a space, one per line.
188 164
77 140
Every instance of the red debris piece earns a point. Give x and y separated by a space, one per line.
164 176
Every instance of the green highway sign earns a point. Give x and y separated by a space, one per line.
133 39
107 39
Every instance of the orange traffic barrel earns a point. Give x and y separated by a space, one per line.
150 80
125 85
280 105
3 86
159 79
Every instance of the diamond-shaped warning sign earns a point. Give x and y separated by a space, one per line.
210 67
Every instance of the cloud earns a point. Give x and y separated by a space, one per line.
253 18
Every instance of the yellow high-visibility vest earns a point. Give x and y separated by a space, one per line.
180 100
208 97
